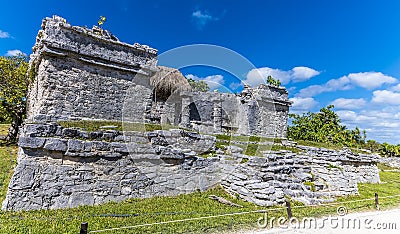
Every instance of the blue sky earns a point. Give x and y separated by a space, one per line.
341 52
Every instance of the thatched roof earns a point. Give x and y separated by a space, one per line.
168 80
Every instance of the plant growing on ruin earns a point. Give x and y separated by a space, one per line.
199 85
101 21
272 81
13 91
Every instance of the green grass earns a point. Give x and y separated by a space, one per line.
4 129
244 160
252 145
227 137
256 149
141 211
311 184
91 126
223 137
330 146
281 147
390 186
331 166
384 167
8 159
157 209
208 154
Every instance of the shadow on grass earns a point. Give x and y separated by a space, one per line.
4 143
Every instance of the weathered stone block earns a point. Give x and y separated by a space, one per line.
56 144
70 132
260 185
79 199
75 145
101 145
24 178
31 142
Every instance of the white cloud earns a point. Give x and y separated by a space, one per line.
381 124
213 81
303 73
297 74
343 103
302 104
395 88
347 115
367 80
259 76
386 97
371 80
202 18
313 90
4 34
14 53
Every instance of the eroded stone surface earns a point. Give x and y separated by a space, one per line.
68 172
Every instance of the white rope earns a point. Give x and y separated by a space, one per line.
232 214
188 219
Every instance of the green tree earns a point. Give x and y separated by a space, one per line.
324 126
13 90
199 85
4 117
389 150
373 146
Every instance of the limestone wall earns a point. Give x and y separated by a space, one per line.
260 111
67 167
83 73
312 177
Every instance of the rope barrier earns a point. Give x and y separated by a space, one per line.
111 215
184 220
236 213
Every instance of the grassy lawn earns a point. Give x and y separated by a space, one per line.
8 159
252 149
228 137
4 129
158 209
330 146
91 126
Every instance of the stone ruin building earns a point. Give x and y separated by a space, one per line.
82 73
88 74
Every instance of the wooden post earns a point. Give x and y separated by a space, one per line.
289 209
376 201
84 228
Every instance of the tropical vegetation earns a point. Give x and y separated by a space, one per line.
325 127
14 83
198 85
